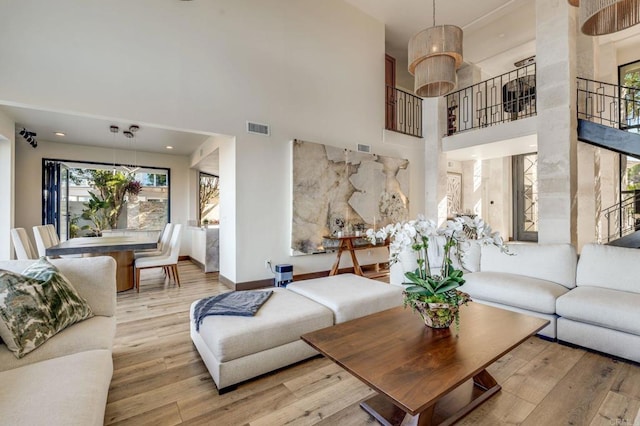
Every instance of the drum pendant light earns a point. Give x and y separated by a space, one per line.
434 56
599 17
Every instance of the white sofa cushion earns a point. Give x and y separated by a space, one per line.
93 277
94 333
65 391
349 296
550 262
283 318
603 307
616 268
514 290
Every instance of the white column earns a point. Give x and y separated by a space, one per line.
7 173
557 136
588 156
435 161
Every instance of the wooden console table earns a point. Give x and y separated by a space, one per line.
346 244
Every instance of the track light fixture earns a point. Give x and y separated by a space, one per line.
29 137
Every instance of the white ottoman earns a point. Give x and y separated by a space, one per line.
349 296
236 348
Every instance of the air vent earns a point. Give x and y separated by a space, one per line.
364 148
257 128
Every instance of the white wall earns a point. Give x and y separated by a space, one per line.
28 179
7 149
312 70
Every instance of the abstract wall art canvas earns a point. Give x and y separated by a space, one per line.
454 194
335 189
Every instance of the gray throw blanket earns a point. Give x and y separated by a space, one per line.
239 303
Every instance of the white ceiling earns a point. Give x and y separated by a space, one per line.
94 131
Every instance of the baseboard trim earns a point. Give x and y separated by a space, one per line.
195 262
251 285
184 258
247 285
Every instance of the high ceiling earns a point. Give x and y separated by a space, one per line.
497 33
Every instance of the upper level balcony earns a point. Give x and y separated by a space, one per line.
403 112
507 97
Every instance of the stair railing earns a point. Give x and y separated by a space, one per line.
608 104
622 218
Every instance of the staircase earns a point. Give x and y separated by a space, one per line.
623 221
608 118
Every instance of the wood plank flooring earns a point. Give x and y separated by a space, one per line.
159 378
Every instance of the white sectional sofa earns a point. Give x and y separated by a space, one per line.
596 308
236 348
603 311
591 302
65 381
529 281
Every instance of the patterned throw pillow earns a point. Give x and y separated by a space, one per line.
37 304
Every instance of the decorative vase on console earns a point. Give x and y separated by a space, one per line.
433 290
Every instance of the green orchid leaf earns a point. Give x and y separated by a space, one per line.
448 287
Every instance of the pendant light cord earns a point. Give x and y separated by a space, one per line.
434 13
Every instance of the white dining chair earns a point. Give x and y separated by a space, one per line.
42 236
169 261
53 235
22 244
163 245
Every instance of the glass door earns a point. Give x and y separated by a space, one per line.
63 208
525 185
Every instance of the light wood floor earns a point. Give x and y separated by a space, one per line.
159 378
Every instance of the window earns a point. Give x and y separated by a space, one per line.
84 199
629 79
208 199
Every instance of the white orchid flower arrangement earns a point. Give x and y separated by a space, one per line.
416 235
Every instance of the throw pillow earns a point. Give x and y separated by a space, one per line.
36 305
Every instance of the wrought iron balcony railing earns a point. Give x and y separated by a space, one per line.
507 97
403 112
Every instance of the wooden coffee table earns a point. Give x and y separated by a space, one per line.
424 376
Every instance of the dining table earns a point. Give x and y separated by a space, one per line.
120 247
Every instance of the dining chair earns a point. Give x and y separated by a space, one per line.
42 235
53 234
163 245
22 244
168 262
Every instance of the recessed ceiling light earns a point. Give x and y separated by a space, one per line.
169 147
60 134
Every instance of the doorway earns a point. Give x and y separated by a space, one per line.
525 200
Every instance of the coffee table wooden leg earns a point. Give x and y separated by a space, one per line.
484 380
388 414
